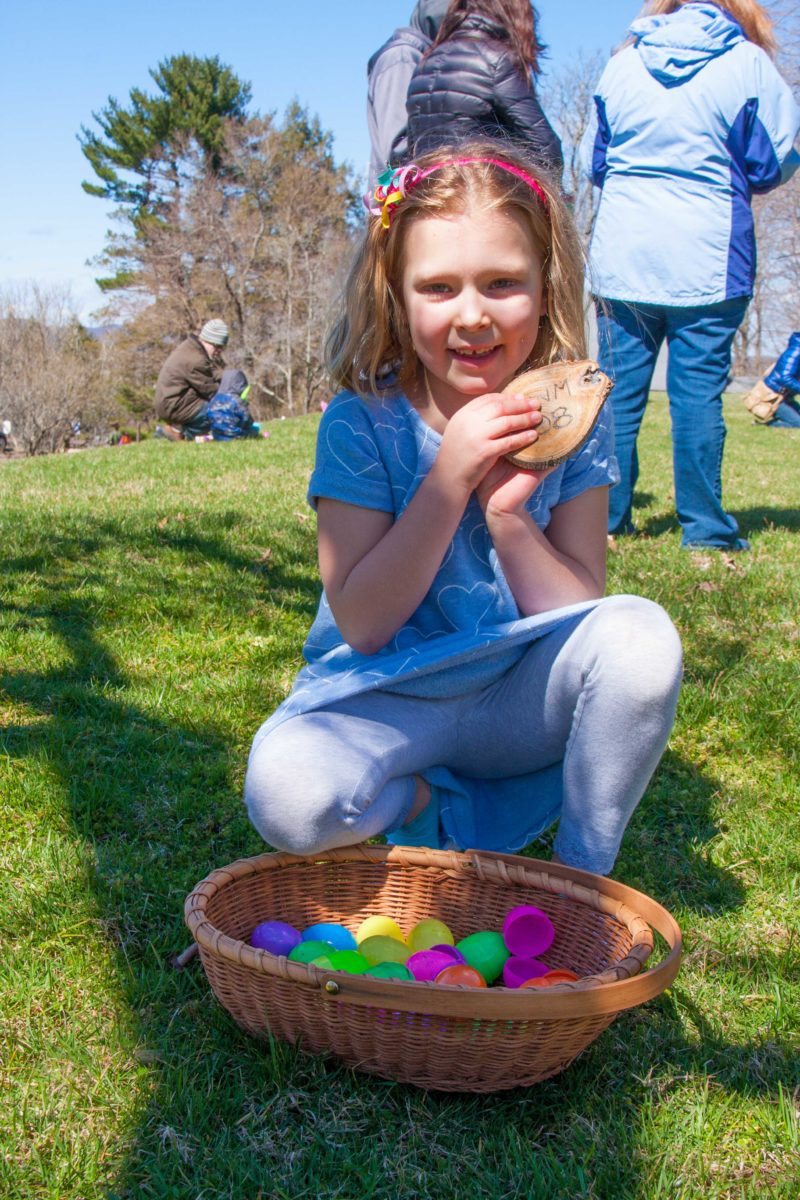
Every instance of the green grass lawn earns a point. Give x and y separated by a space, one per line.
154 602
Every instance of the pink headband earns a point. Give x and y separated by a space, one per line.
394 185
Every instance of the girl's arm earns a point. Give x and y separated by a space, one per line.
562 565
375 570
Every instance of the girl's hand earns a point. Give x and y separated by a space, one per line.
506 489
480 433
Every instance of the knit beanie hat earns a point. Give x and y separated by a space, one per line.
215 333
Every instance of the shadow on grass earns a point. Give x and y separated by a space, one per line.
750 520
755 520
279 1122
225 1116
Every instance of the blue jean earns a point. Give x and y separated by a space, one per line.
787 415
699 342
572 732
198 424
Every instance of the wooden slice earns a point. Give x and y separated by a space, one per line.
571 396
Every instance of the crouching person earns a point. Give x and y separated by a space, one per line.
188 380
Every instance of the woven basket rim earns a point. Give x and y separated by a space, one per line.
620 987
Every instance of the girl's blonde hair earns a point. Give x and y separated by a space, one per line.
370 343
754 20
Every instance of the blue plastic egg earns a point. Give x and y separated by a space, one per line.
339 937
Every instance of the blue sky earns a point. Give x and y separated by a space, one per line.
61 62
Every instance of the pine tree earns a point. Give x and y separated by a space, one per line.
138 154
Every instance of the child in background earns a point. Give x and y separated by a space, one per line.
773 400
466 683
228 412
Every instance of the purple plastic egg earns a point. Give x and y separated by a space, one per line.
275 936
452 952
425 965
528 931
518 970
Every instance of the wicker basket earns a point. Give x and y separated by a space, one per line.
446 1038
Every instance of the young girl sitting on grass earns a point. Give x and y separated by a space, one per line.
466 683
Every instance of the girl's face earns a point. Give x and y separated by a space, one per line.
473 295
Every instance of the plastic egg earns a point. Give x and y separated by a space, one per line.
551 979
461 974
486 952
528 931
389 970
380 949
518 970
306 952
425 965
428 933
450 951
275 936
327 931
379 927
347 960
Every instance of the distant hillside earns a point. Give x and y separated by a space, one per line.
98 332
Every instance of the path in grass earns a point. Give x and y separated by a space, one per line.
155 599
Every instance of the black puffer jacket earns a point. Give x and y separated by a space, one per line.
470 86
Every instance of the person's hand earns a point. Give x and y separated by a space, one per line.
506 489
481 433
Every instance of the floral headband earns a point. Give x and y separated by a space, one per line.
396 182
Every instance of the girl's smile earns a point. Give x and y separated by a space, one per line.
473 295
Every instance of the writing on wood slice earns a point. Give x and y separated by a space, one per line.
571 396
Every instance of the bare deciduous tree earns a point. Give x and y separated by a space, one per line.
570 105
51 375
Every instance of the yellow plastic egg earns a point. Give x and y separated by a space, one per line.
430 932
380 927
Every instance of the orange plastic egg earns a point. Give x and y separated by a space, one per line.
551 978
461 973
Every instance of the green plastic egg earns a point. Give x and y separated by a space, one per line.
389 970
381 949
486 952
306 952
348 960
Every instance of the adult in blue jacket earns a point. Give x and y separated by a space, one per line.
691 119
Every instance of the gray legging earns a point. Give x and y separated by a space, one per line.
573 731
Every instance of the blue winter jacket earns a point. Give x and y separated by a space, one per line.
689 122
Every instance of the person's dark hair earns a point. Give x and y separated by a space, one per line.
518 17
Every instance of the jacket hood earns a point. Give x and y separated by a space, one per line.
675 47
428 15
233 381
